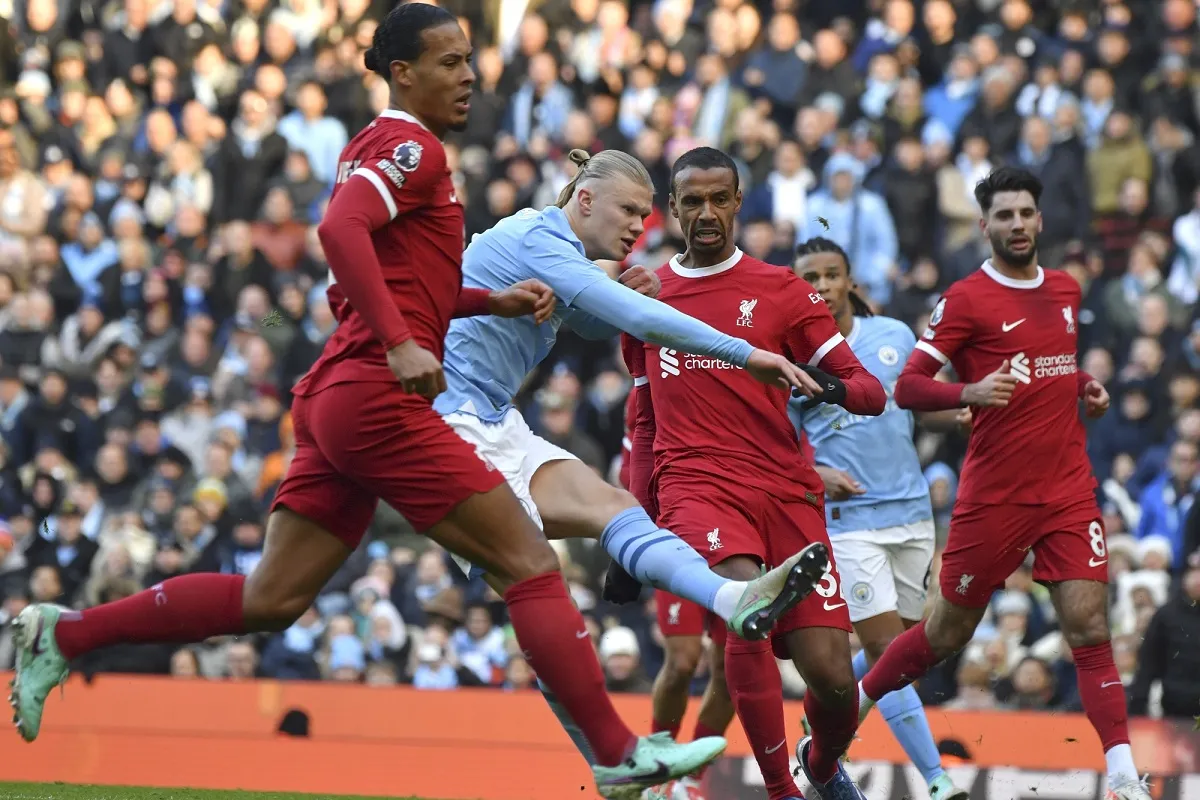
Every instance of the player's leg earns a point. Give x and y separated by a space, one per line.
682 625
318 519
1073 559
756 689
407 455
986 544
886 579
575 502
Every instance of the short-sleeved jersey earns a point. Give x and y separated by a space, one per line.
878 452
420 250
713 419
1034 450
487 357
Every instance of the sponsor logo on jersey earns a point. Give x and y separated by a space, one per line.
408 155
1056 366
746 309
394 175
672 362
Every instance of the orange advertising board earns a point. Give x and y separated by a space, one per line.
467 743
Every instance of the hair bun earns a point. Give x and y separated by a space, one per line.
370 61
579 157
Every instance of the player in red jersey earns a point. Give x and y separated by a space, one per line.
728 474
682 622
1009 330
366 430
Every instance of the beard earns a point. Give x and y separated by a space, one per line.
1001 249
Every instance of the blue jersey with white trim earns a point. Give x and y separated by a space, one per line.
878 452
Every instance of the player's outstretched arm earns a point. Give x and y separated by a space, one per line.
526 298
860 392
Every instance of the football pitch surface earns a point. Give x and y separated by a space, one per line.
64 791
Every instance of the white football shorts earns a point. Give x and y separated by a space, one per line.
886 569
511 447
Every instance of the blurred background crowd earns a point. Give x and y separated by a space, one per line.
163 162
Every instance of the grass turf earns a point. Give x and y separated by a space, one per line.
64 791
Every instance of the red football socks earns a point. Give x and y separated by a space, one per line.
703 731
658 726
757 692
549 629
833 728
1102 694
190 608
905 660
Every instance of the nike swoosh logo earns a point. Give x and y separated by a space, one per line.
582 635
37 639
1110 683
1008 326
832 608
1094 563
770 750
660 774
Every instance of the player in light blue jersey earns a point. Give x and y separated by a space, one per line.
877 506
598 216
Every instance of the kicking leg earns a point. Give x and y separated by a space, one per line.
1082 608
490 529
574 502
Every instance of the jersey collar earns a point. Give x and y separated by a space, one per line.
1013 283
704 272
855 329
395 113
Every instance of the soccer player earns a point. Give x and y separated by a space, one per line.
877 510
728 474
1009 330
599 215
366 430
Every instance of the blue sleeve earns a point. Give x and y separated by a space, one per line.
558 263
587 326
658 323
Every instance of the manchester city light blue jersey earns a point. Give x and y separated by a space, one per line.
487 358
878 452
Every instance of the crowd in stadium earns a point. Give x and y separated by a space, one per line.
163 164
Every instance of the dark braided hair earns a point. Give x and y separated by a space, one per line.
819 244
398 37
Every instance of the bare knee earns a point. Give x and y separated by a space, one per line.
950 627
683 656
528 562
875 646
822 655
738 568
272 608
1083 612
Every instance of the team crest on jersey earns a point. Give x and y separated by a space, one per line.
746 309
938 311
408 155
888 356
1069 316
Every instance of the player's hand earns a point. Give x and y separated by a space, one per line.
775 370
994 391
417 369
839 485
965 421
641 280
522 299
1095 399
833 391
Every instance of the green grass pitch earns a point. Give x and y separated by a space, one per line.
63 791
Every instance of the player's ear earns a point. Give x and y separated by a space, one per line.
401 73
584 198
671 205
737 202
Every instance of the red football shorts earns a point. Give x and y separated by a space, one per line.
358 443
679 617
988 542
719 524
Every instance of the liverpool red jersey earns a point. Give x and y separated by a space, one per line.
420 250
1034 450
713 420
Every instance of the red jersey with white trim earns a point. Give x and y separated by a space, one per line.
1034 450
713 420
420 250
